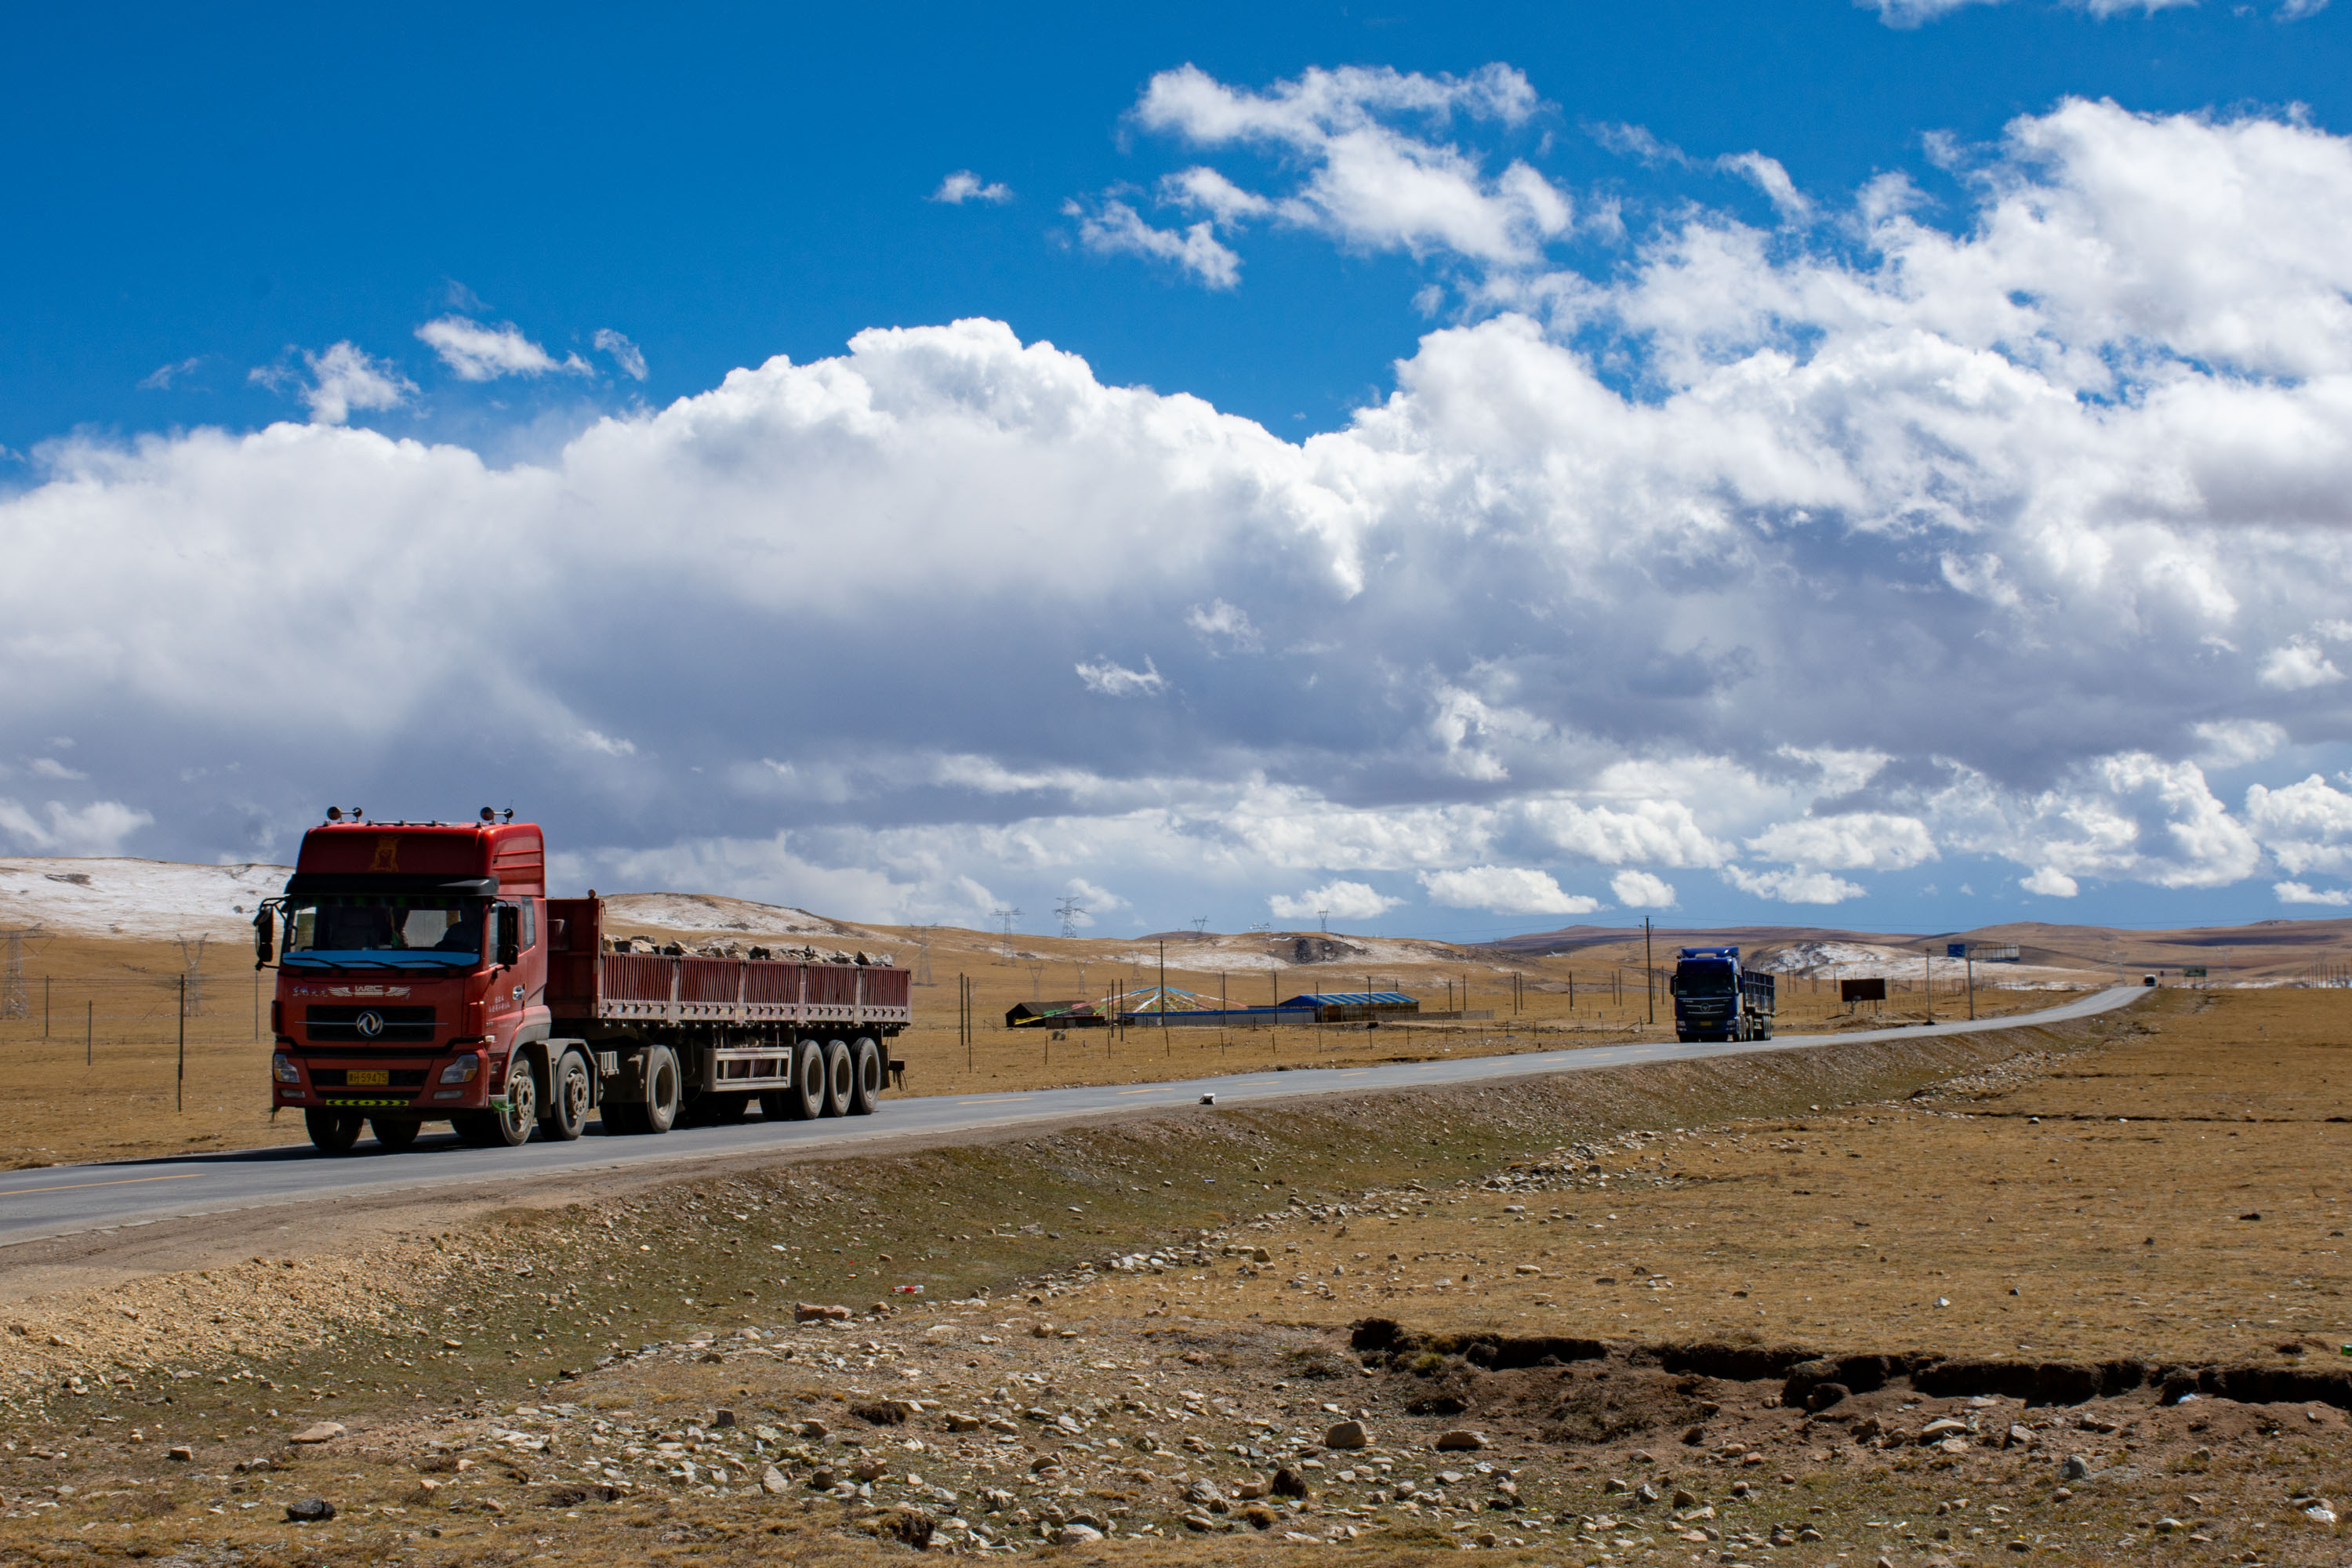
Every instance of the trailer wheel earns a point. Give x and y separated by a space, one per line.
333 1131
840 1074
864 1076
393 1134
663 1089
803 1099
567 1108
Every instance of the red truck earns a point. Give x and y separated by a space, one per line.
424 975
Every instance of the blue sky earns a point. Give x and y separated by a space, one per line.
1447 681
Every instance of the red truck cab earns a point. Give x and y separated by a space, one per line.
414 963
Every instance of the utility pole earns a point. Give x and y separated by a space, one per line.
1163 986
1069 912
1325 916
923 955
1200 926
180 1091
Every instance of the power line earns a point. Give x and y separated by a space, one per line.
1069 912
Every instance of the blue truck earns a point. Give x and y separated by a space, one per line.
1717 999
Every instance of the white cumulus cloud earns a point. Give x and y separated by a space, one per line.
1116 228
473 352
1109 680
2298 893
1505 889
1792 885
1641 890
1338 899
625 354
1803 551
343 379
963 185
99 828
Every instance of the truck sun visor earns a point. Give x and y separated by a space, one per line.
347 884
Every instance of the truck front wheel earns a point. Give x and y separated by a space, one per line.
333 1131
393 1134
504 1126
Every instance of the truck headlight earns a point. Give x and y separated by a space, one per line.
463 1069
282 1069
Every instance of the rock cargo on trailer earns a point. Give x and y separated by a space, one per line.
427 976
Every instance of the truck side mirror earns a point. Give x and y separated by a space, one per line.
265 937
509 951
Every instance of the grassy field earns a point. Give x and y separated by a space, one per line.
1607 1278
97 1069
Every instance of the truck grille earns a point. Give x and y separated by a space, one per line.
370 1025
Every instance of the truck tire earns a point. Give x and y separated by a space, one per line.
393 1134
333 1131
509 1126
665 1089
803 1099
864 1076
567 1106
840 1073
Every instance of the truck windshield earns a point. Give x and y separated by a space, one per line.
1714 980
425 932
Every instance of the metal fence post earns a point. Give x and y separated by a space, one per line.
180 1089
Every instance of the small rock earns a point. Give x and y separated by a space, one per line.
1461 1439
1686 1497
1076 1534
309 1510
1943 1427
1287 1482
960 1423
1615 1485
324 1432
1825 1395
2019 1436
772 1481
2320 1513
182 1453
1200 1522
1348 1435
810 1312
822 1479
1646 1492
2167 1526
2077 1467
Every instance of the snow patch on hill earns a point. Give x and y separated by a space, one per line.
1864 961
116 896
710 912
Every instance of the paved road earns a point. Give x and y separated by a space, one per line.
64 1200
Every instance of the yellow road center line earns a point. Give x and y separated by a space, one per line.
126 1182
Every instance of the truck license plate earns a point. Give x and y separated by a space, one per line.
365 1078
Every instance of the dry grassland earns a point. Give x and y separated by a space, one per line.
1135 1341
95 1066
